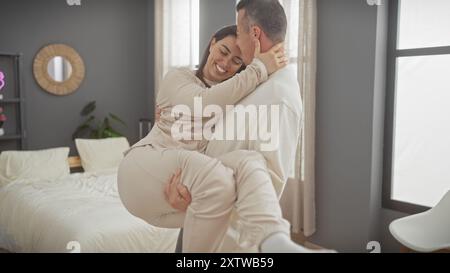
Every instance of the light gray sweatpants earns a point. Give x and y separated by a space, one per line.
235 180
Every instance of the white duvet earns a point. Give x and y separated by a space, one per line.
81 210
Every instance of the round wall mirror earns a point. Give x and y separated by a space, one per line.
59 69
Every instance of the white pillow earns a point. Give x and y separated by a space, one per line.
101 154
48 164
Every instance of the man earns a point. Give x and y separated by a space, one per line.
260 219
266 21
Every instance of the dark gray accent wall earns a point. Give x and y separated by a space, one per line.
115 40
214 14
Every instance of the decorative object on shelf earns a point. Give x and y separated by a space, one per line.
12 106
97 130
2 83
2 80
59 69
2 121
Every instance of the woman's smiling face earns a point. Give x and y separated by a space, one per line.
224 60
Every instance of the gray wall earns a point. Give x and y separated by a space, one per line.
352 39
346 48
214 14
114 38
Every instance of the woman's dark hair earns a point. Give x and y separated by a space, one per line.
219 35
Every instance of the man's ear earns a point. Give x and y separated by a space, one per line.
213 42
256 32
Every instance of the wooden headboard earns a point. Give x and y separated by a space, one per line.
74 162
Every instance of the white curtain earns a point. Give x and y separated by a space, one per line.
176 36
298 200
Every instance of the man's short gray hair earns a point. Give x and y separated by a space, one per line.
269 15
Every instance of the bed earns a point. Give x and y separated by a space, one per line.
81 212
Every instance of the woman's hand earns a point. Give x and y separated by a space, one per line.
274 59
177 195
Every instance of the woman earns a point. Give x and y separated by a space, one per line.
151 162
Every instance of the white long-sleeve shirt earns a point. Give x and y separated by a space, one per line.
282 90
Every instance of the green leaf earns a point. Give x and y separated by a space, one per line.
116 118
108 133
113 133
89 108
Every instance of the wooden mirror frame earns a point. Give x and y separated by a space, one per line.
43 78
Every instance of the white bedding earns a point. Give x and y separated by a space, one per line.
44 216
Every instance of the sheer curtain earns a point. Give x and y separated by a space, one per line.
176 36
298 200
291 8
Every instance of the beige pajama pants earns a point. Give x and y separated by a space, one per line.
237 180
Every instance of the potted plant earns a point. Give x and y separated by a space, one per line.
93 129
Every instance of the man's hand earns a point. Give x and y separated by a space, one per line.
177 195
157 113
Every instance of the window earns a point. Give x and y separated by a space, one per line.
177 35
417 155
181 33
291 7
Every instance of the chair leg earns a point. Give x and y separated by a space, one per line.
404 249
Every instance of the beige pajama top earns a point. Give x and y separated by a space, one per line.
181 86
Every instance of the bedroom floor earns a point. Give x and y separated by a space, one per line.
296 237
300 239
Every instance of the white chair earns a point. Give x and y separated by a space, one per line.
425 232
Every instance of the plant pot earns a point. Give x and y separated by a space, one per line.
2 132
